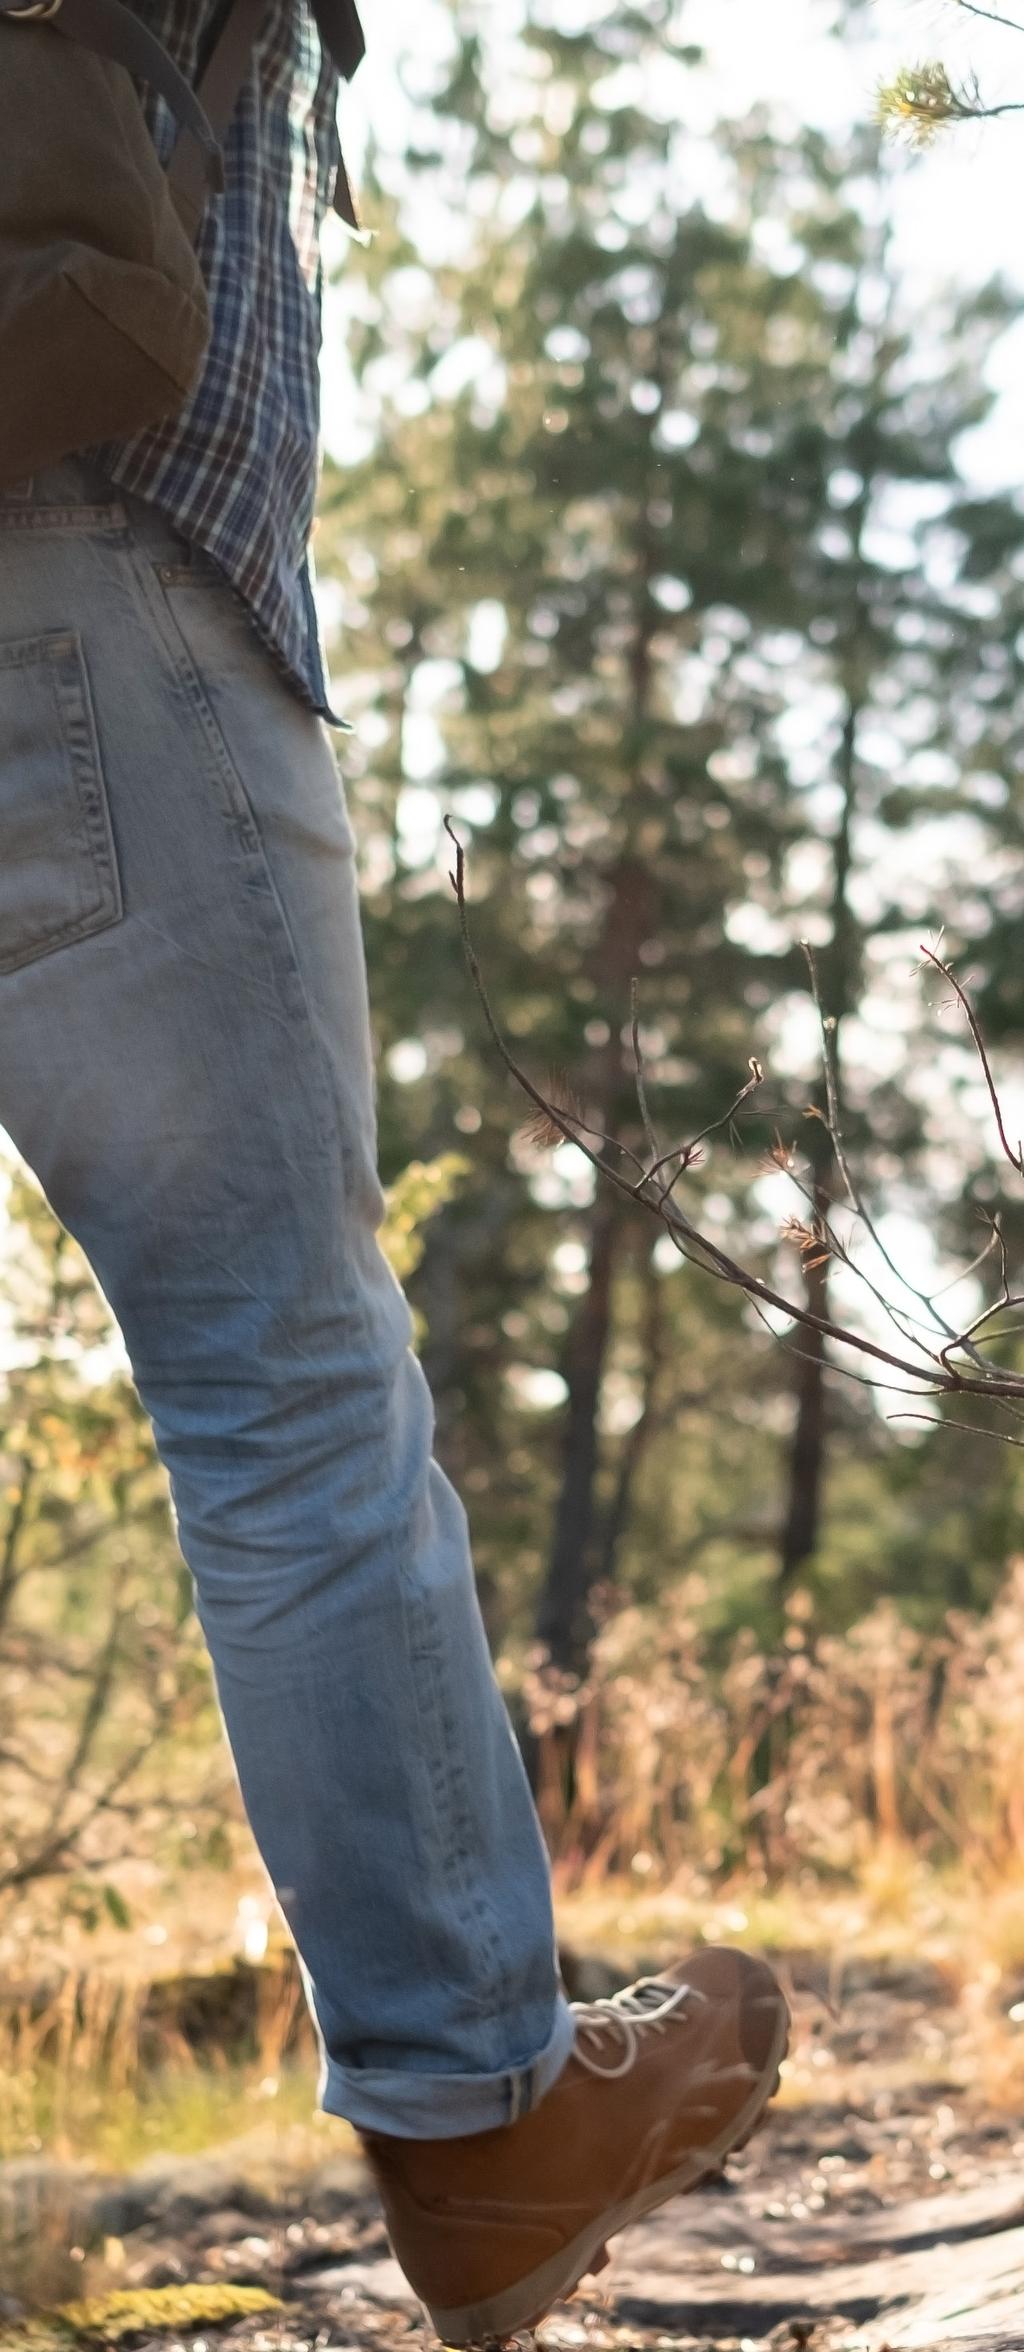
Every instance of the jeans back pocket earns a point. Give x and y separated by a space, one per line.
59 878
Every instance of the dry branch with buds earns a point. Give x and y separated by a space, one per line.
921 100
934 1357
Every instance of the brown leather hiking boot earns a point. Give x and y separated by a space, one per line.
664 2082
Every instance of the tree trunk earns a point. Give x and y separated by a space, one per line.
560 1623
808 1452
638 1438
630 918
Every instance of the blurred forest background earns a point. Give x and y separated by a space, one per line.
661 577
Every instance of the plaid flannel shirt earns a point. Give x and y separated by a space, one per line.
237 471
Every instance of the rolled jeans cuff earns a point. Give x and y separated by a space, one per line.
446 2106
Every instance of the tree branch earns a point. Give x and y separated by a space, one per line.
935 1375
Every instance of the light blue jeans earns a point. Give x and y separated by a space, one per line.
185 1063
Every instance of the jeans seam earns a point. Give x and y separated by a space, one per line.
197 709
448 1800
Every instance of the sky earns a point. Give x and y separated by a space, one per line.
956 209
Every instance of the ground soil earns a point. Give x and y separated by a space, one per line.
888 2217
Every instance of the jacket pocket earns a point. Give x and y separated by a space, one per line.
59 878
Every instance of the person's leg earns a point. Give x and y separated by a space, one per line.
185 1064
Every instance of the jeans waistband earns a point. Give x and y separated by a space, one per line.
75 481
80 481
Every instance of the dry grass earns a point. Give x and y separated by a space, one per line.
819 1763
114 2069
845 1797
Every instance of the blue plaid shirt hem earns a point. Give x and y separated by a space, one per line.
237 471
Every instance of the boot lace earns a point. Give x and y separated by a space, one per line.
624 2017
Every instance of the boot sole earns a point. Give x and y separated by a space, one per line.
526 2304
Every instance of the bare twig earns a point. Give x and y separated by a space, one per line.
898 1316
934 1373
687 1153
973 8
973 1428
1016 1158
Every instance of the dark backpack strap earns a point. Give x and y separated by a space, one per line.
217 92
113 31
341 33
218 87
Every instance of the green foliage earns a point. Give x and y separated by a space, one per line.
97 1678
414 1197
661 573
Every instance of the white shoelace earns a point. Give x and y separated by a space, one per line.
628 2015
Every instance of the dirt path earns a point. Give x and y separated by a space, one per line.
884 2221
808 2248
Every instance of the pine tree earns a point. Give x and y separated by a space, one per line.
624 516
